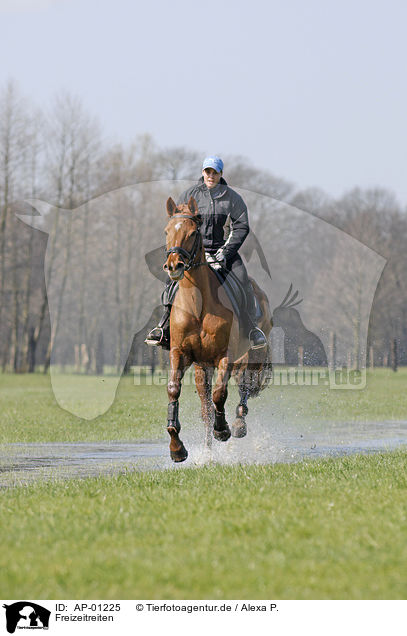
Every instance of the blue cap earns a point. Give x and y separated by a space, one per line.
213 162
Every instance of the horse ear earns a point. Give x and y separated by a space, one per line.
193 206
171 206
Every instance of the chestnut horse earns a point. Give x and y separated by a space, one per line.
204 331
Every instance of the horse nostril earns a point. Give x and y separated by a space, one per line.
179 266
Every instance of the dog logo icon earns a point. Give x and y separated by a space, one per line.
26 615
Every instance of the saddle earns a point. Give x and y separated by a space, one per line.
233 288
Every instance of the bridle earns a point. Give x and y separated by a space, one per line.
188 257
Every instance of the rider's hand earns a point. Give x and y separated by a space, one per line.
220 257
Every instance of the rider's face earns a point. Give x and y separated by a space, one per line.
211 177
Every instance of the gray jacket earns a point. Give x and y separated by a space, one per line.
215 210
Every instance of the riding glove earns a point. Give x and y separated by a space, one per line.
220 257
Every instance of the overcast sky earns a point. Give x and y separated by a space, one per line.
314 91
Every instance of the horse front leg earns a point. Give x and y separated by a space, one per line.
221 430
203 382
178 452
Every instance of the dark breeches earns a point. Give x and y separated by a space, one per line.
238 268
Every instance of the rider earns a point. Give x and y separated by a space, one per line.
216 202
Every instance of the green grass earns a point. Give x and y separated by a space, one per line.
29 412
384 398
322 529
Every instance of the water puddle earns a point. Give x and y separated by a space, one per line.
23 463
286 443
281 442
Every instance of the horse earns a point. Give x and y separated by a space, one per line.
205 331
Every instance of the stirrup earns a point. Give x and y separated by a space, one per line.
155 337
257 338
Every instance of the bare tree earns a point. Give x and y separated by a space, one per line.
76 136
13 160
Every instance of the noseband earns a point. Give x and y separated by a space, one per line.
188 256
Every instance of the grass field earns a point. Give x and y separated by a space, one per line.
29 412
323 529
317 529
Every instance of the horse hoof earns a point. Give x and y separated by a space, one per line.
239 428
222 436
179 455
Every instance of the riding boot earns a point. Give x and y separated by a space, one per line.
256 337
160 335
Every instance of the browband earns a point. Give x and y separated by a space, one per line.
194 218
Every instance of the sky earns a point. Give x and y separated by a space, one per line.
314 91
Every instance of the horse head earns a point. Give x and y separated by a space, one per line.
184 241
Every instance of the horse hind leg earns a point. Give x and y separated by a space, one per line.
239 426
251 380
